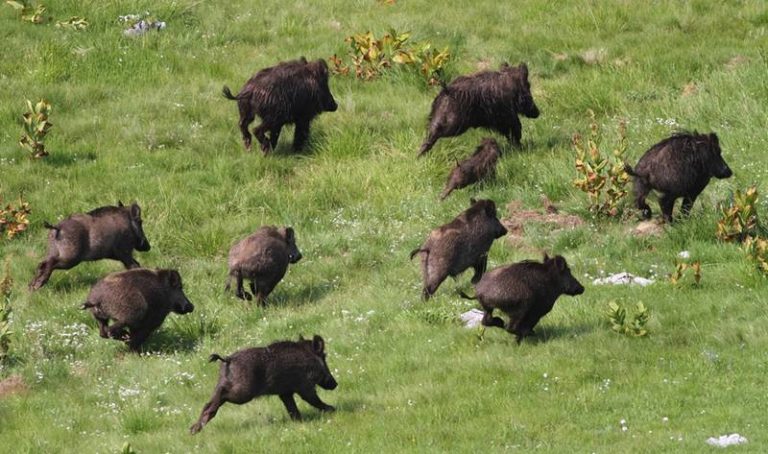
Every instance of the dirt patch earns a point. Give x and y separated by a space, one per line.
735 62
483 64
549 214
12 385
647 228
690 89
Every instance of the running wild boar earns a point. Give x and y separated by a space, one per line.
262 257
110 232
138 301
678 166
282 368
525 291
488 99
291 92
482 164
462 243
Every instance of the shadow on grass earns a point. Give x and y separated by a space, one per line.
559 331
71 282
170 341
67 159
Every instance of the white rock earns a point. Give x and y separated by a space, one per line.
472 318
684 255
726 440
623 278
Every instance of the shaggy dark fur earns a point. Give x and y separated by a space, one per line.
283 368
262 257
488 99
679 166
462 243
291 92
525 291
137 300
482 164
110 232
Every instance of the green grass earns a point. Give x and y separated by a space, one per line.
143 119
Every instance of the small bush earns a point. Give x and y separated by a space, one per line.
757 250
601 174
36 126
685 269
73 23
371 56
5 312
739 220
617 317
14 220
29 13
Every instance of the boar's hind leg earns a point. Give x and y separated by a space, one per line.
246 118
490 320
240 292
209 411
300 134
261 136
290 405
666 203
311 397
641 192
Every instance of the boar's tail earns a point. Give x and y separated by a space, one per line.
217 357
465 296
228 94
630 170
418 250
52 227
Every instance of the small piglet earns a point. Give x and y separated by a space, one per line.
525 291
462 243
480 165
488 99
678 166
137 300
262 257
282 368
109 232
290 92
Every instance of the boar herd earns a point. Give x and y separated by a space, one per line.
129 305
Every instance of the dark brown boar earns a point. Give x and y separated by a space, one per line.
291 92
262 257
525 291
283 369
109 232
488 99
678 166
138 301
462 243
480 165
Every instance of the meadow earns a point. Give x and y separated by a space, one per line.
143 119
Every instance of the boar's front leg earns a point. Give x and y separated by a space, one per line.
274 134
311 397
490 320
137 337
480 266
688 204
290 405
300 134
515 132
43 273
128 261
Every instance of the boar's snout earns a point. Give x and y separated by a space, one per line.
183 306
143 245
500 229
328 382
294 256
530 109
723 171
573 287
329 104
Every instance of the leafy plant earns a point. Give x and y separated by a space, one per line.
14 220
602 175
36 126
73 23
29 13
683 269
5 312
739 220
371 56
757 250
127 449
617 317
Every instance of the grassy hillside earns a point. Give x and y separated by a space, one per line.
143 119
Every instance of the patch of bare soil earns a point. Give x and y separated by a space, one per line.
12 385
549 214
647 228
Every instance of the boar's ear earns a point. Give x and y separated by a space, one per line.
303 59
714 141
472 201
120 203
523 71
135 211
301 338
318 344
504 66
173 278
546 258
560 263
321 67
490 208
290 236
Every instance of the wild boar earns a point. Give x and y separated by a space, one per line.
488 99
291 92
262 257
678 166
109 232
282 368
136 300
480 165
525 291
462 243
